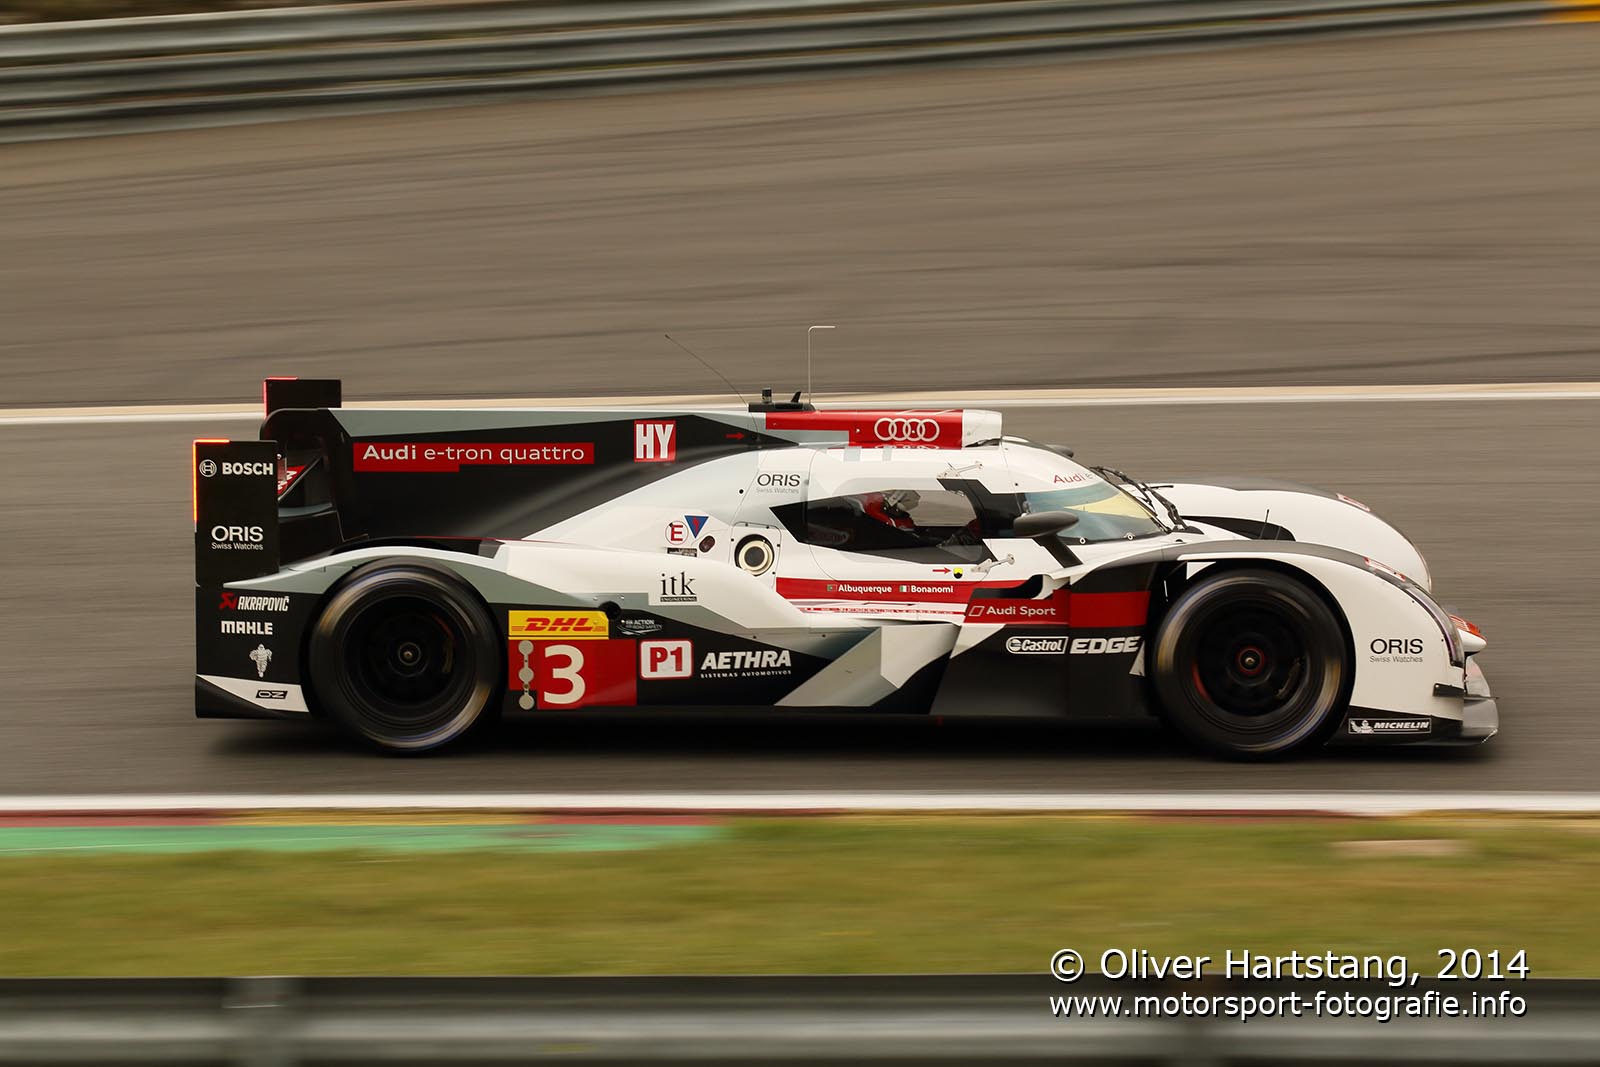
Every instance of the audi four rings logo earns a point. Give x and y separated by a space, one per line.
906 429
208 467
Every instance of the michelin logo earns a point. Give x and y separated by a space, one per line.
1371 727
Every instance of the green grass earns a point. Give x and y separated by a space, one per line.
819 895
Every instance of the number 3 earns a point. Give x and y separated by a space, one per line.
571 673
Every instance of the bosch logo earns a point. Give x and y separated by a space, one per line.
1036 646
250 468
912 431
250 535
208 468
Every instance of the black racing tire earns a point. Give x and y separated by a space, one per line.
405 656
1251 664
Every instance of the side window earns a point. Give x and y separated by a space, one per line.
918 525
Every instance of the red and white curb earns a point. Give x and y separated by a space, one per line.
798 803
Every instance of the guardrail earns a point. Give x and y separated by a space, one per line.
256 1022
117 69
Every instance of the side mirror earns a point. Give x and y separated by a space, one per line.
1043 523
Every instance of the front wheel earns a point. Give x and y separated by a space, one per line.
1251 664
405 657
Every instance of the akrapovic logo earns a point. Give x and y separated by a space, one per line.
249 602
1105 646
1036 646
210 468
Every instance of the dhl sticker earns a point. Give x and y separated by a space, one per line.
566 625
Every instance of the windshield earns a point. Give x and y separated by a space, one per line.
1105 512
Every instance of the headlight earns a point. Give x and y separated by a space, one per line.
1447 626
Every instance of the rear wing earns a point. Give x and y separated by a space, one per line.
323 476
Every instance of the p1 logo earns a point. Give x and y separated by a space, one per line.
666 659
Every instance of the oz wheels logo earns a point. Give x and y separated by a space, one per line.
208 468
912 430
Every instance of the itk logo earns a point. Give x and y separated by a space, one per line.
261 655
677 588
655 441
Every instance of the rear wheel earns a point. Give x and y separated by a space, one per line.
1251 664
405 656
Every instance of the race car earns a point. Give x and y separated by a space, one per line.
411 574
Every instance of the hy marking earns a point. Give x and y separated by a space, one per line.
990 398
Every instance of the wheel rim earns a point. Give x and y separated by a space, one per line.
1251 667
409 664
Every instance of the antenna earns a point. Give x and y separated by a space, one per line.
706 365
809 392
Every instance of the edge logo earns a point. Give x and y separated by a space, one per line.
1036 646
1104 646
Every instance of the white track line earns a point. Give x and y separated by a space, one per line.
1015 398
1266 803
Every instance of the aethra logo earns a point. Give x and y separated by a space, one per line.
250 535
654 442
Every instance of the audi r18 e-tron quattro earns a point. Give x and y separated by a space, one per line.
412 573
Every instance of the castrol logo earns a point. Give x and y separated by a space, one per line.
913 431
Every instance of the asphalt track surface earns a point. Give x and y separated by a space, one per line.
97 632
1376 210
1381 211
